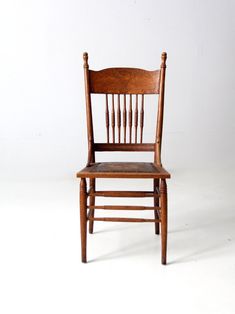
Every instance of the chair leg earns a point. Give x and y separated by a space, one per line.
156 203
83 218
163 199
92 203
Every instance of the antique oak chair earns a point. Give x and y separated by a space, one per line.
129 87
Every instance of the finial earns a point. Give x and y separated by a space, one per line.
164 57
85 59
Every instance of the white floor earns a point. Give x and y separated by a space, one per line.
41 272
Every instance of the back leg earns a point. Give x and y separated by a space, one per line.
156 203
92 203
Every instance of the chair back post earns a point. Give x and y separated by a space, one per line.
90 134
157 154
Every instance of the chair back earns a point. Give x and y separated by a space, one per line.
124 90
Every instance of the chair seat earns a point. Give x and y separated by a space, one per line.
123 170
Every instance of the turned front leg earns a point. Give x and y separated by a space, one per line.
83 218
163 200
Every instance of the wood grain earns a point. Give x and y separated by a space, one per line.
122 147
121 219
124 81
123 207
124 194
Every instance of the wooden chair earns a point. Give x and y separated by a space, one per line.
128 85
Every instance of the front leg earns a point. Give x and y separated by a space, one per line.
83 218
163 199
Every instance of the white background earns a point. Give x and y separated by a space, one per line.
43 144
